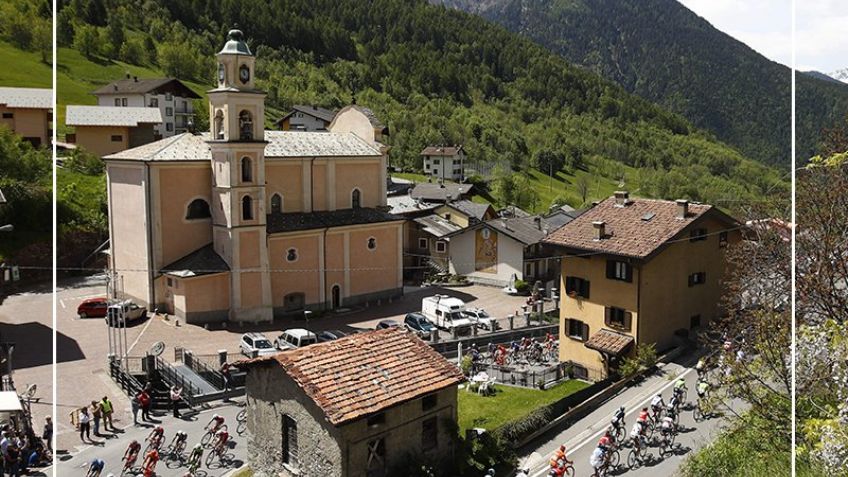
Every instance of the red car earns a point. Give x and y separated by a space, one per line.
93 308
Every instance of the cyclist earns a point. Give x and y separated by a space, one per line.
618 419
679 386
674 402
607 441
561 459
131 454
150 461
657 404
638 434
598 459
179 438
491 349
702 388
500 355
644 415
701 367
514 346
214 424
667 424
221 438
157 435
95 468
195 456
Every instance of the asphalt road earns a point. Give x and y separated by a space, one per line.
111 450
581 437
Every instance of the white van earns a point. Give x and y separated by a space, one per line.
446 313
295 338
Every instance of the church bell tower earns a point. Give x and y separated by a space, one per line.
237 143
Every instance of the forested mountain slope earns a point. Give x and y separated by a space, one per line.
434 76
663 52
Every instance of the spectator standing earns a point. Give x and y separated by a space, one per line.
85 424
96 415
176 396
47 435
225 372
108 409
13 460
136 404
144 400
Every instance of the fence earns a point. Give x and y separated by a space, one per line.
200 365
173 378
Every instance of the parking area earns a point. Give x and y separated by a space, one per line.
83 343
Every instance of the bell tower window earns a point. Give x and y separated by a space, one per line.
276 204
246 208
219 125
355 199
246 169
245 126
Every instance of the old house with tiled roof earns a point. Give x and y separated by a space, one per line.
242 224
354 407
638 271
306 118
444 162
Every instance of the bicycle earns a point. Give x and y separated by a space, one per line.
175 450
702 410
638 454
129 464
666 442
194 463
210 434
218 451
154 441
241 419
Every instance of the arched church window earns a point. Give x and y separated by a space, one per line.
355 199
246 169
245 126
198 209
219 125
276 204
247 208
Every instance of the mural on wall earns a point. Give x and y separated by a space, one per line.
486 251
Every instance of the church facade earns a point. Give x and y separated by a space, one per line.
243 224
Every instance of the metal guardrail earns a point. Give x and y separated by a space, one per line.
173 378
204 370
126 381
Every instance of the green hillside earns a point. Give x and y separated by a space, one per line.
665 53
23 68
434 76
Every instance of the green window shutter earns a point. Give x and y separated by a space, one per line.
628 320
585 332
607 315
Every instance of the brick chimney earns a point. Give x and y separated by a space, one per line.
622 197
600 229
682 208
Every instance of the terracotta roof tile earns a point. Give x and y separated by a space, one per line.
364 373
634 230
610 342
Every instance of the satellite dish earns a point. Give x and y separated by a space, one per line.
30 390
157 349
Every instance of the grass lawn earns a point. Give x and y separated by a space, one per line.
508 404
24 69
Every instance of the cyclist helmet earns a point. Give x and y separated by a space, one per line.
159 429
215 416
198 446
621 408
490 472
134 442
562 447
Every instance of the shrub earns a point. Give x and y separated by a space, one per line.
466 364
522 287
646 356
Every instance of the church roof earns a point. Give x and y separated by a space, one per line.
194 147
294 221
203 261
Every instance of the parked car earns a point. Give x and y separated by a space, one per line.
387 324
255 345
295 338
131 313
482 318
330 335
418 324
93 308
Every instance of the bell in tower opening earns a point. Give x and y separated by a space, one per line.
245 126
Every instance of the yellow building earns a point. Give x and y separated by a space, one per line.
243 224
28 113
103 130
638 271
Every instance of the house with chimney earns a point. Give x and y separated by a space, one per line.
638 271
499 251
306 118
444 162
28 112
170 96
359 406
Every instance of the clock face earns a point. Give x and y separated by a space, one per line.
220 72
244 74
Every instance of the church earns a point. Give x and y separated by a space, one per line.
242 224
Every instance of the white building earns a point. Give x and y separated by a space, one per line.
306 118
444 162
173 98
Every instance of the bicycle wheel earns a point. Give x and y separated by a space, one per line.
204 441
619 433
242 415
632 459
241 427
614 460
569 471
210 458
697 414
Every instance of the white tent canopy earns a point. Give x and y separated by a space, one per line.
9 402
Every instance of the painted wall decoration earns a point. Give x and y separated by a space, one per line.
486 251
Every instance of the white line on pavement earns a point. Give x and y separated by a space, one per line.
146 325
62 302
573 448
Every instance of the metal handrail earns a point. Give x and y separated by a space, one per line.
213 376
173 378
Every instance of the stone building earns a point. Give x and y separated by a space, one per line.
359 406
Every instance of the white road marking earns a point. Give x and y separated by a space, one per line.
62 302
137 338
573 448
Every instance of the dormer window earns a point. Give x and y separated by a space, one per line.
245 126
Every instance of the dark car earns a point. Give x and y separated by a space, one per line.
387 324
330 335
93 308
418 324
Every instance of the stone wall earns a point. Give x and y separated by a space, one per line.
270 395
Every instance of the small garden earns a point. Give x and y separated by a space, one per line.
508 404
